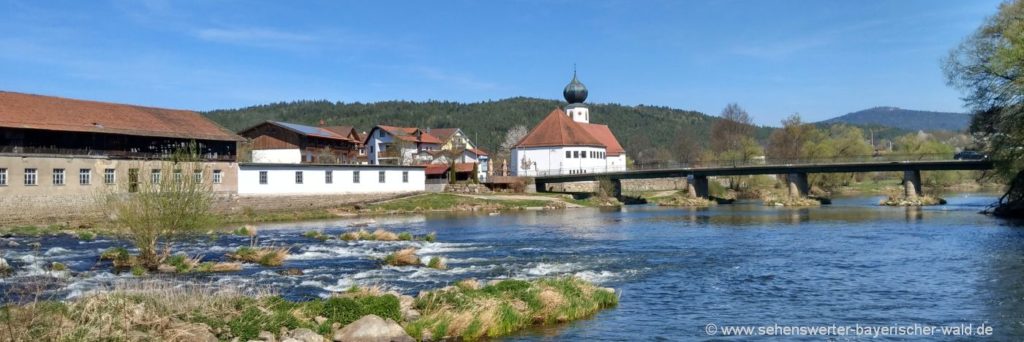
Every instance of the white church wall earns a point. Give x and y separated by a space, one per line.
553 160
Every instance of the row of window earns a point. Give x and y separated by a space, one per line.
329 177
109 176
584 154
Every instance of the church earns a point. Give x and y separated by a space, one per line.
565 142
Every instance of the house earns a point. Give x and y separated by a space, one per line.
289 143
410 145
57 154
565 142
390 145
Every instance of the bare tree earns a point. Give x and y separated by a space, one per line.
726 133
175 200
512 137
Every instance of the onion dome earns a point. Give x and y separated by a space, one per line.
575 92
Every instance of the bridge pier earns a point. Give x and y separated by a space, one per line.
540 186
798 186
911 183
616 188
697 186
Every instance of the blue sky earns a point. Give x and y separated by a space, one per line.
774 58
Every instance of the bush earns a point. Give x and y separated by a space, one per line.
403 257
437 263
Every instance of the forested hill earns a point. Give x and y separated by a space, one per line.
907 119
637 127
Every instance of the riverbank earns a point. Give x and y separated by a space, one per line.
145 311
411 204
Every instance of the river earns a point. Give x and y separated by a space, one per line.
678 270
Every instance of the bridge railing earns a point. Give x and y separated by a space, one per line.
739 163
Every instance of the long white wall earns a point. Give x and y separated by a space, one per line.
284 156
553 160
281 179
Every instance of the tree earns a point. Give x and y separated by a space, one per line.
727 132
787 143
512 137
686 148
175 200
988 67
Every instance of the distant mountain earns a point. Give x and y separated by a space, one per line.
912 120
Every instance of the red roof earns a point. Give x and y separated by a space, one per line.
605 136
443 133
478 151
62 114
557 129
464 167
412 134
346 131
436 169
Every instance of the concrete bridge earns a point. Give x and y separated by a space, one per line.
796 173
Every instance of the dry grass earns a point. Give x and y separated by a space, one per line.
383 235
468 311
136 311
266 256
403 257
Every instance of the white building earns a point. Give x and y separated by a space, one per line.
565 142
327 179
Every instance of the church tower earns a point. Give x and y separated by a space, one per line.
575 93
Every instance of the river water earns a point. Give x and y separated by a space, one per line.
678 270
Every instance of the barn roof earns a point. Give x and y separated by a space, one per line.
51 113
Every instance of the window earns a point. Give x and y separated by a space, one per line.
58 176
380 177
568 154
371 149
380 133
154 176
133 180
218 176
298 177
263 177
108 176
197 176
30 176
177 176
405 176
575 154
3 176
355 176
84 176
328 176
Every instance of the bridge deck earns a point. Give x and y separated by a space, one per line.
746 170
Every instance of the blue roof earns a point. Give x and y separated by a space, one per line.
310 130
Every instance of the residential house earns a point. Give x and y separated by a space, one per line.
289 143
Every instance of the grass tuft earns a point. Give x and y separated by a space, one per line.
403 257
266 256
470 312
437 263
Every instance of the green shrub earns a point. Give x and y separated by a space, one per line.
430 237
86 236
138 270
273 314
57 266
180 262
404 236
